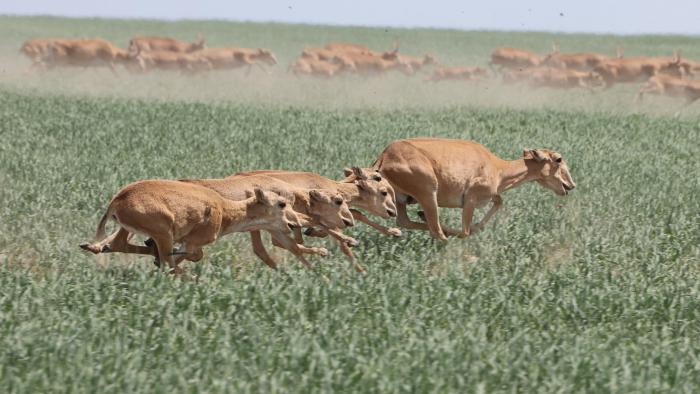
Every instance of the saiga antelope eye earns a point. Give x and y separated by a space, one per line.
282 205
385 193
558 160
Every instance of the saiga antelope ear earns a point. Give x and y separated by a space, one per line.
359 173
318 196
534 154
260 196
347 171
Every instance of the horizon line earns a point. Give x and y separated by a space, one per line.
330 24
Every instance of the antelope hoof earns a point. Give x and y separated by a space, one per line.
421 215
177 271
394 231
93 249
440 236
321 251
351 242
150 242
88 247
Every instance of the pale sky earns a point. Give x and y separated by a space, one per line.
595 16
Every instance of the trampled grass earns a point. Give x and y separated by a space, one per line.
596 292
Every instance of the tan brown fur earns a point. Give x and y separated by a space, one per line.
150 43
665 85
441 73
513 58
462 174
315 207
172 212
363 189
85 53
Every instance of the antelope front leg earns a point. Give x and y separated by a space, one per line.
298 250
467 216
449 231
404 221
260 251
285 242
189 252
265 70
345 248
298 236
249 69
357 215
338 235
497 204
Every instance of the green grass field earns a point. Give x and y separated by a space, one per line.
596 292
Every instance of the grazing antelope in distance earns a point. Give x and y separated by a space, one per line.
172 212
363 189
512 58
417 63
315 67
84 53
37 50
559 78
441 73
665 85
230 58
462 174
169 60
635 69
349 48
516 76
366 64
144 43
580 61
315 207
319 54
365 61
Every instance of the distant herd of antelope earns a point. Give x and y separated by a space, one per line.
179 217
661 75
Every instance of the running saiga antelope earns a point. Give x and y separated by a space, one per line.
315 207
665 85
144 43
462 174
177 212
362 188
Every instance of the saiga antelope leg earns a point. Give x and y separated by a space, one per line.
118 241
345 248
260 251
497 204
357 215
165 249
402 219
432 216
284 241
